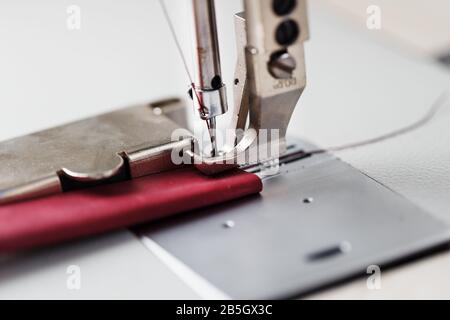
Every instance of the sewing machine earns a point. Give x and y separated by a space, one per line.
270 77
318 219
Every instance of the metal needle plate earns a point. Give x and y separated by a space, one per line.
317 222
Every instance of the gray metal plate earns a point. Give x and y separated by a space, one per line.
95 150
89 146
282 246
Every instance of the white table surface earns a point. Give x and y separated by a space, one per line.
418 26
358 86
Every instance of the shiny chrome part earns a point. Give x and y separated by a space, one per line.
209 95
225 161
282 65
213 101
274 80
119 145
241 94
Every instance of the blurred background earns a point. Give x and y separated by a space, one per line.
422 27
123 52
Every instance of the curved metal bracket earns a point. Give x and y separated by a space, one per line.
123 144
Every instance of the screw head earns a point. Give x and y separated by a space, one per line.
282 65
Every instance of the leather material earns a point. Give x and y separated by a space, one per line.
86 212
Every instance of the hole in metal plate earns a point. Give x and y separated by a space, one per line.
308 200
330 252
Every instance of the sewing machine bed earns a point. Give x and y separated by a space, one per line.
318 222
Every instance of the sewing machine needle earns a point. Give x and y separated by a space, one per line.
212 136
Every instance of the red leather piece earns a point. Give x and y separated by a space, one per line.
86 212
